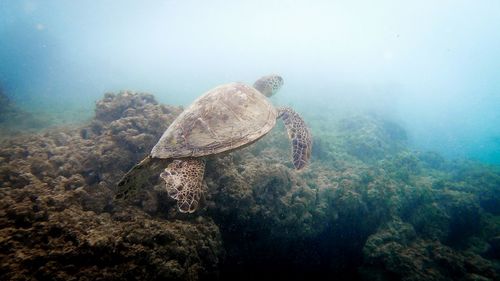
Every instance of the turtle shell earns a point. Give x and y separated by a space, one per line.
223 119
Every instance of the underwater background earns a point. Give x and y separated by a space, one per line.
402 99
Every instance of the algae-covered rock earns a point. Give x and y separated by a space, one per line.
371 137
445 215
47 235
366 208
99 152
57 217
482 180
396 251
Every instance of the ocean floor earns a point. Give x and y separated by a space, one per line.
367 208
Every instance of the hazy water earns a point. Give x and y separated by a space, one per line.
434 66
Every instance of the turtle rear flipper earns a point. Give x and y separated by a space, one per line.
299 134
184 183
139 177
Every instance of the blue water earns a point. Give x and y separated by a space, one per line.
431 66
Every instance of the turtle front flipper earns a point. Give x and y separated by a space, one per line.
299 134
184 183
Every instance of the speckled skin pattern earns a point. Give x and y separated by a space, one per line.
183 181
269 85
299 134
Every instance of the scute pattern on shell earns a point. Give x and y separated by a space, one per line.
223 119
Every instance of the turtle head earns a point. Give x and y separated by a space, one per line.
269 85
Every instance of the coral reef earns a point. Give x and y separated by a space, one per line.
51 236
370 137
57 217
367 208
403 256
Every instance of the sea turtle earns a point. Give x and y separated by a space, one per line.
223 119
